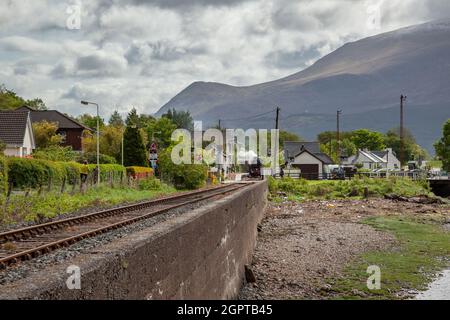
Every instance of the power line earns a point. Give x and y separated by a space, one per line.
251 117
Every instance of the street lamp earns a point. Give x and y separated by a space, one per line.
123 134
98 139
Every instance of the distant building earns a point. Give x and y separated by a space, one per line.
372 160
307 157
16 132
70 130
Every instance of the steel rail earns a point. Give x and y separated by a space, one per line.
65 242
30 231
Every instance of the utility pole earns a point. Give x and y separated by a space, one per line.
220 124
123 133
338 135
402 132
98 138
277 126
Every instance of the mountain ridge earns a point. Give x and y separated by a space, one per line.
361 76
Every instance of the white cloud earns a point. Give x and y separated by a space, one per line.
141 53
29 45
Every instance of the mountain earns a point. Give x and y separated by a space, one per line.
363 78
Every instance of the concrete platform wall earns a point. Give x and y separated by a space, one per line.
199 255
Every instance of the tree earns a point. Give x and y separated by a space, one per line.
184 176
367 139
288 136
145 120
9 100
116 120
56 153
2 146
161 130
327 136
36 104
443 147
182 119
134 148
110 142
348 149
132 118
91 121
141 121
45 134
412 150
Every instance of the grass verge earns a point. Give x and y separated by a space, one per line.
35 207
424 250
300 189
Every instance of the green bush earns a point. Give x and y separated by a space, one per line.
108 171
183 176
56 153
91 157
339 189
25 173
3 176
139 170
150 184
34 173
71 171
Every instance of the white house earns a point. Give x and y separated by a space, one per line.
306 157
16 132
373 160
392 162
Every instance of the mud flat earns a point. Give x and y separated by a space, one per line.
303 247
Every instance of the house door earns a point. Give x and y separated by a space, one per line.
309 171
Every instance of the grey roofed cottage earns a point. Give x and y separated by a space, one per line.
70 129
293 148
384 159
307 157
16 132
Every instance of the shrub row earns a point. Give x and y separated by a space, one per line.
183 176
140 172
109 172
3 175
331 189
35 173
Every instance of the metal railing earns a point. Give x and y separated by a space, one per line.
347 176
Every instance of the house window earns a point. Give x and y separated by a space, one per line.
63 135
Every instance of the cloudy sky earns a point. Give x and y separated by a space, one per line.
141 53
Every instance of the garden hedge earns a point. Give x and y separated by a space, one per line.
183 176
23 173
116 172
140 172
3 176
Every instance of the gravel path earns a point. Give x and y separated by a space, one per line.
301 245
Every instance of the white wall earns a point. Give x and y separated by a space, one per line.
11 151
306 158
27 143
368 163
392 160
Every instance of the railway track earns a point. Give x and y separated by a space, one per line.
30 242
